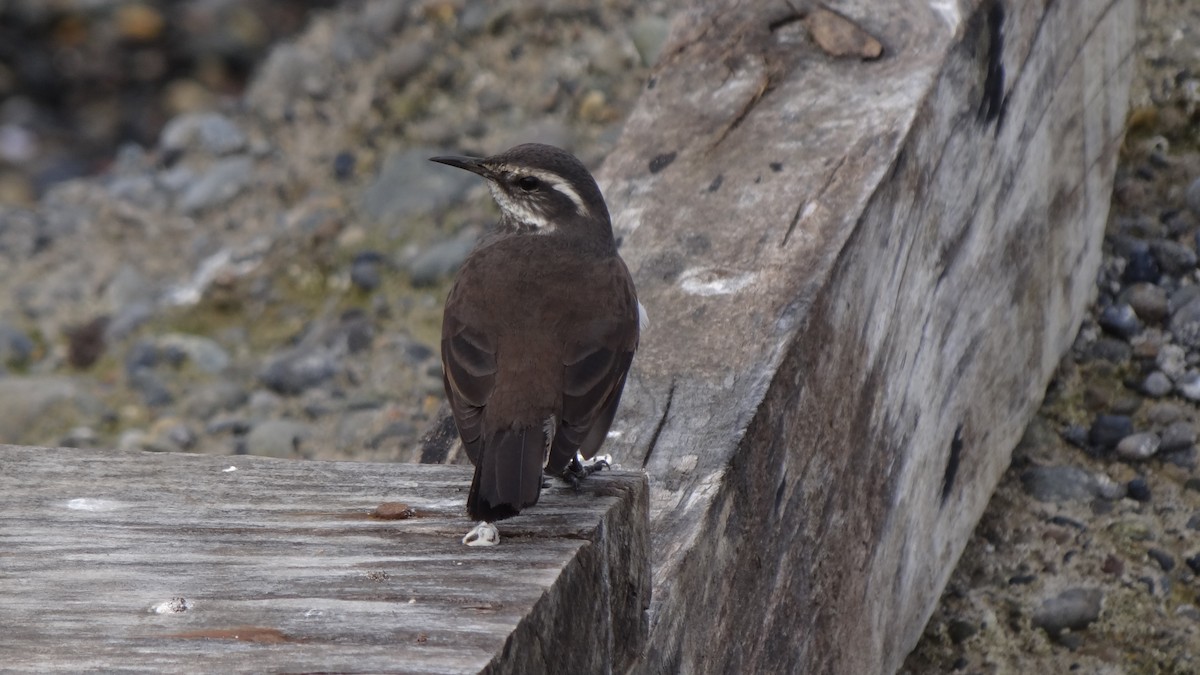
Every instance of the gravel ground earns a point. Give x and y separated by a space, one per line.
264 274
1088 556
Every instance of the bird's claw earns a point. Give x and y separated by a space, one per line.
578 468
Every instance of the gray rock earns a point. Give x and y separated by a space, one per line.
28 402
1182 296
290 72
1192 197
209 132
1067 484
207 400
441 260
1157 385
151 387
1165 560
648 34
1188 385
1140 265
409 185
1120 320
16 348
127 320
1148 301
219 184
1073 609
364 271
1173 258
1163 413
1111 350
277 438
1108 430
202 352
1139 446
1178 436
128 287
263 403
142 354
406 60
1185 325
169 435
1171 360
298 369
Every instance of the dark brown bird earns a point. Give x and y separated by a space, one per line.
539 329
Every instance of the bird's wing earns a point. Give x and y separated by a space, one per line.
595 367
469 375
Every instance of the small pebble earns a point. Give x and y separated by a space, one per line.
1072 609
1178 436
343 169
1138 490
1139 446
1193 563
1108 430
1141 266
364 271
1120 320
1193 197
1163 413
392 511
1173 258
1188 385
1164 559
1171 360
1185 325
1148 301
960 630
1181 296
1157 384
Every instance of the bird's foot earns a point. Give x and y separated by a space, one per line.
579 468
483 534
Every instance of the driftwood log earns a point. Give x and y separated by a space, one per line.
861 274
864 235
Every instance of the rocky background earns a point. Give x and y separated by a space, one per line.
264 273
256 259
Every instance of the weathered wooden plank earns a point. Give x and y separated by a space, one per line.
860 276
277 566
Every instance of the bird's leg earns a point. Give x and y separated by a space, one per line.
483 534
579 468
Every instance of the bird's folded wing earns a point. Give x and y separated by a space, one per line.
593 377
469 374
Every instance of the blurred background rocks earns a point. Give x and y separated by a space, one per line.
219 231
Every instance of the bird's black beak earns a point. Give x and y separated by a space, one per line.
472 164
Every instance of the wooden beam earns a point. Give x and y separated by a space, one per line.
168 562
860 275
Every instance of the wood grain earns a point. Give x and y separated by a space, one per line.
169 562
860 276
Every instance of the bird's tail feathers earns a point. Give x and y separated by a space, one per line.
508 475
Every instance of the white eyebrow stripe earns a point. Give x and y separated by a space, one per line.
555 181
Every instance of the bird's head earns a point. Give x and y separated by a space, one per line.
540 189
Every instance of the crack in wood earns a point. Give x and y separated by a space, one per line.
800 207
764 86
662 422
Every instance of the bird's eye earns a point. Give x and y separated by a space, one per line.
528 183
